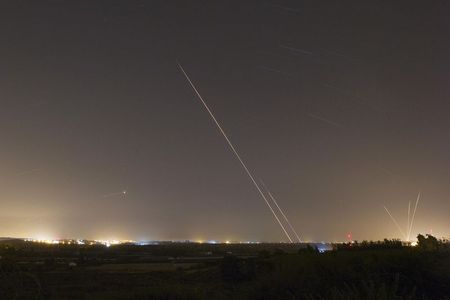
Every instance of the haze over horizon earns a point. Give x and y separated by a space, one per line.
340 108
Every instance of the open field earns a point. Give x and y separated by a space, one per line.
202 271
141 267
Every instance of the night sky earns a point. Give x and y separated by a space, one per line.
341 107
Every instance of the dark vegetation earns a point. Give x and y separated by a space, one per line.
366 270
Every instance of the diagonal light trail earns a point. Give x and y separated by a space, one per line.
413 215
395 222
325 120
124 192
234 151
289 223
281 211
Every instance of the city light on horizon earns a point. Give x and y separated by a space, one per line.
167 137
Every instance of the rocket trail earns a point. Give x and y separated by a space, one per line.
395 222
124 192
28 172
407 224
281 211
234 151
287 8
326 120
298 50
413 215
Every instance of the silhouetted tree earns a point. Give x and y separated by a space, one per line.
427 243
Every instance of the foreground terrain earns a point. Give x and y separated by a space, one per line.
384 270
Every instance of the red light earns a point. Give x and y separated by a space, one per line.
349 237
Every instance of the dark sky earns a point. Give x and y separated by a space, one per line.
340 106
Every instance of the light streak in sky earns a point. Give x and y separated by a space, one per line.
234 151
124 192
28 172
413 215
298 50
281 211
407 224
286 8
395 222
325 120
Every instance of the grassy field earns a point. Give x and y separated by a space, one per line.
140 267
